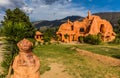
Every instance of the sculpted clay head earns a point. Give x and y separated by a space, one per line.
26 64
24 45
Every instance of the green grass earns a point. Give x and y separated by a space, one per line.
106 49
47 52
76 65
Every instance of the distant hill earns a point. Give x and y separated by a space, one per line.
113 17
47 23
73 18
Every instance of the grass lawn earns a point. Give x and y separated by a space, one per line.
76 65
106 49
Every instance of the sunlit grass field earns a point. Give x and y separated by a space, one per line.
105 49
76 65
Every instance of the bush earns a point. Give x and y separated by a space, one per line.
93 39
115 41
66 36
48 35
81 39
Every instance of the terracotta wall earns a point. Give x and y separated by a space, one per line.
90 25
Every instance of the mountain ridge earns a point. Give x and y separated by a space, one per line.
112 17
52 23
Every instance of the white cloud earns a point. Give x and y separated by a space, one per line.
56 11
46 9
4 2
27 9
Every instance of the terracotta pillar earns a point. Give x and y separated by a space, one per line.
63 39
70 37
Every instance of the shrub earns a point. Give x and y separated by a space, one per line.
93 39
81 39
66 36
49 33
116 40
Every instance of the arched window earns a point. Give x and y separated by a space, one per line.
72 28
81 30
101 27
37 36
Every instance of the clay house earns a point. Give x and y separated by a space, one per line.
92 24
39 36
66 32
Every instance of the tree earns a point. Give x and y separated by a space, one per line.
1 31
16 26
18 20
48 34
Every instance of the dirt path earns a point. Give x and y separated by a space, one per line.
103 59
57 71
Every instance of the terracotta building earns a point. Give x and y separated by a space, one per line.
92 24
39 36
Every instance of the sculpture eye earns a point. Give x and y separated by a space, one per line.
20 44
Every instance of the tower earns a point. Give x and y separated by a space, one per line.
89 14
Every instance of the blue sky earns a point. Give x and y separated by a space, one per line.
99 5
57 9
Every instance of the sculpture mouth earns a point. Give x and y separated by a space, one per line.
25 48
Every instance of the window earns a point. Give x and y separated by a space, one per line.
72 27
81 30
37 36
101 27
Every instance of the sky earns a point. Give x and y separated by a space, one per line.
58 9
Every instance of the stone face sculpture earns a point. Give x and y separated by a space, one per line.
26 64
92 25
